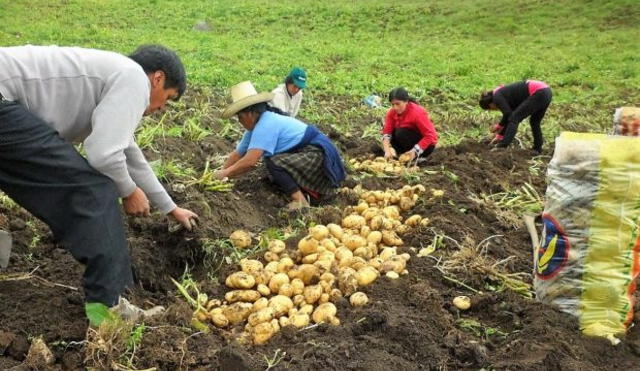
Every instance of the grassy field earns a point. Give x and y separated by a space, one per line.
444 52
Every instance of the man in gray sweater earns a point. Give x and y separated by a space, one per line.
51 97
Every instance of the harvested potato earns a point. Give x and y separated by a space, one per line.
374 237
285 264
347 281
402 229
270 256
286 290
358 299
312 293
353 222
364 231
218 318
278 280
326 286
283 321
277 246
237 312
406 203
281 304
242 295
405 256
328 277
298 300
324 265
343 253
319 232
325 313
263 315
309 273
213 303
306 309
361 207
201 315
240 280
363 252
376 222
240 239
352 242
391 212
272 267
392 275
424 222
370 214
366 275
388 252
390 238
297 285
310 259
335 295
259 304
308 245
262 333
395 263
300 320
357 263
276 325
376 263
292 312
328 244
413 220
462 302
335 230
251 266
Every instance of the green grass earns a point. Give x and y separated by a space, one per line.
444 52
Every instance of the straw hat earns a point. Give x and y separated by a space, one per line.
244 95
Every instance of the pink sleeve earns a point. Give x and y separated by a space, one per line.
535 85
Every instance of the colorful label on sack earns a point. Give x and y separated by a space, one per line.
554 252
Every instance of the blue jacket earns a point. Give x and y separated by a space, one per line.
333 166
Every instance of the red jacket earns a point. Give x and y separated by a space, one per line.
416 118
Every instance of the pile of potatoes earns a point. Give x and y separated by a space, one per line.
331 262
380 165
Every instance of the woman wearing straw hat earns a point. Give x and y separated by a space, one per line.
300 159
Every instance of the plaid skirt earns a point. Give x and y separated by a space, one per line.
306 167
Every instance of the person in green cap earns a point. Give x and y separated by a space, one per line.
288 95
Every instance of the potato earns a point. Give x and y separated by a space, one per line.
342 253
240 239
391 212
286 290
324 265
218 318
392 275
328 245
312 293
213 303
352 242
280 304
404 272
388 252
298 300
242 295
263 277
366 275
328 277
364 231
309 273
310 259
263 315
358 299
262 333
335 230
391 239
387 224
462 302
237 312
353 222
376 263
346 262
347 281
278 280
277 246
363 252
402 229
300 320
326 286
294 272
270 256
259 304
283 321
240 280
325 312
362 206
335 295
395 263
419 188
251 266
297 286
276 325
319 232
413 220
201 315
306 309
272 267
374 237
371 213
424 222
285 264
292 312
357 263
405 256
376 222
308 245
406 203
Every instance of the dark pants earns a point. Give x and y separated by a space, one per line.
281 177
403 140
534 106
47 176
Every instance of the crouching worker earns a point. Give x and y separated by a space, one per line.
52 96
518 101
408 132
300 159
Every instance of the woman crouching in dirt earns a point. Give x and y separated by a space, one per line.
300 159
407 130
517 101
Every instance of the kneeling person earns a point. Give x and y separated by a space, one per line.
300 159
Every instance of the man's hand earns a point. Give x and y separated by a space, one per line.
496 139
408 156
185 217
136 203
220 174
390 153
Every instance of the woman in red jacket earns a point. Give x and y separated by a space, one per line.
407 128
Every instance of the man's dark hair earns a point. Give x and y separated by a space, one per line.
261 108
288 80
154 58
401 93
486 98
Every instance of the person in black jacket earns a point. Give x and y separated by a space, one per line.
517 101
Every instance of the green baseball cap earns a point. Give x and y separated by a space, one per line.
299 77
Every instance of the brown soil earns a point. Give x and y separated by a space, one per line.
408 325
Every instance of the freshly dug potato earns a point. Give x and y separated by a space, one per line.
358 299
335 295
251 266
283 321
406 203
213 303
285 264
376 263
402 229
249 296
276 324
310 259
277 246
366 275
388 252
391 212
286 290
362 206
272 267
298 300
347 281
218 318
353 222
324 298
300 320
292 312
363 252
342 253
335 230
297 285
324 264
391 238
260 304
352 242
312 293
278 280
376 222
405 256
374 237
395 263
357 263
281 304
328 245
309 273
308 245
270 256
263 315
240 239
371 213
413 220
319 232
326 286
306 309
328 277
419 188
424 222
201 315
364 231
392 275
462 302
240 280
325 313
262 333
237 312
